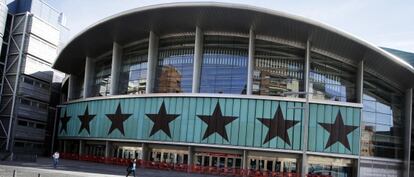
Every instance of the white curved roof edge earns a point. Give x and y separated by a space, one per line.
252 8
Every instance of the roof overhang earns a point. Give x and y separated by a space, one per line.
135 24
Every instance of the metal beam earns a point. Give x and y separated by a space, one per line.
198 59
152 61
250 65
115 68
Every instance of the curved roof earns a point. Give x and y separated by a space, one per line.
135 24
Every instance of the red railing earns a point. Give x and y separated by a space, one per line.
184 167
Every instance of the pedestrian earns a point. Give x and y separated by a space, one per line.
55 157
132 167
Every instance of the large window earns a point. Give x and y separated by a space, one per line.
278 69
330 79
175 64
133 77
382 129
224 66
102 77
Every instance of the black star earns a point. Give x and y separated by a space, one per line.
162 120
117 120
64 120
338 131
216 123
85 119
278 126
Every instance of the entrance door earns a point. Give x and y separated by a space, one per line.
272 164
169 156
334 167
218 160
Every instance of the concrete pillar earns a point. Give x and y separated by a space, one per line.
190 161
360 82
145 152
245 160
88 77
71 87
407 134
115 68
198 59
107 149
80 147
152 61
64 146
250 64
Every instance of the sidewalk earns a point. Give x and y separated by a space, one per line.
71 168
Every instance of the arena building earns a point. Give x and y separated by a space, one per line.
227 88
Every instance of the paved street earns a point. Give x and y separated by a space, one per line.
70 168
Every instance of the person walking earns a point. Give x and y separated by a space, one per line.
132 167
55 157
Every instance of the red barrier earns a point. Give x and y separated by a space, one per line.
182 167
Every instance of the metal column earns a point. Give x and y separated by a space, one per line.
360 82
145 152
407 134
71 87
80 147
359 96
245 160
152 61
250 65
115 68
11 80
190 157
107 148
88 77
304 169
198 59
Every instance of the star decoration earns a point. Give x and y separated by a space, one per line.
64 120
117 120
161 121
278 126
338 131
85 119
216 123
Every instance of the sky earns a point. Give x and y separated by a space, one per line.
386 23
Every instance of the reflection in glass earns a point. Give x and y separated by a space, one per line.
175 65
102 77
278 69
382 134
133 76
331 79
224 66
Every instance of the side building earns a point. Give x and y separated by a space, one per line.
27 110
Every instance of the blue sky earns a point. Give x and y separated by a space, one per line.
388 23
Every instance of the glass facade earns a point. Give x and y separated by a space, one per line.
330 79
174 72
102 76
133 77
278 69
224 66
382 129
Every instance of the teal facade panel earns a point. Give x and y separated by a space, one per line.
204 120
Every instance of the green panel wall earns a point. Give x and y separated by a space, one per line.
245 129
319 137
